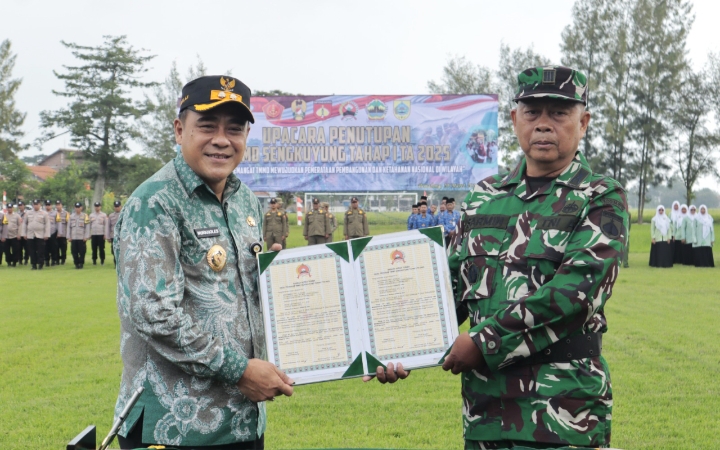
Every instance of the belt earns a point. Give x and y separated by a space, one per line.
578 346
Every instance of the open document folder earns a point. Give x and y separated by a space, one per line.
342 309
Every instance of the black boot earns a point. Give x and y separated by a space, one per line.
26 261
34 267
41 266
63 262
94 262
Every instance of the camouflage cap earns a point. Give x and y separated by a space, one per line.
553 82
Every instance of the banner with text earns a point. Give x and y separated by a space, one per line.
370 143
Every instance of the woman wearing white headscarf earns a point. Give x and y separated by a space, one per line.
689 229
661 231
704 239
679 235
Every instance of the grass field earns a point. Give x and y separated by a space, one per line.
60 367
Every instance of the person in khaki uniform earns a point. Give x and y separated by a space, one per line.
316 228
61 218
51 243
98 222
12 226
36 230
275 226
24 253
110 227
78 232
2 239
356 224
331 218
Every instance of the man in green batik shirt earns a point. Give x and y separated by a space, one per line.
534 261
191 321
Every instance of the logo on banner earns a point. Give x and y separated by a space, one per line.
322 110
303 271
376 109
397 256
401 109
349 110
298 107
273 109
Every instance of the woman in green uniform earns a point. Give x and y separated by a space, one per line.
704 239
689 229
661 231
676 217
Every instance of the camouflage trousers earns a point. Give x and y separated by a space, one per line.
516 445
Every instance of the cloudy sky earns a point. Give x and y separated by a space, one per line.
309 47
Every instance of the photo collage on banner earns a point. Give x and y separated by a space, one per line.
371 143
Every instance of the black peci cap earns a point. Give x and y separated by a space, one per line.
117 203
315 200
78 205
205 93
36 202
451 200
48 203
273 201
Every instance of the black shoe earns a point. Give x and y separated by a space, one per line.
82 265
94 263
34 267
102 263
41 266
26 261
63 262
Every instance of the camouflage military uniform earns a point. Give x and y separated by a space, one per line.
533 269
275 228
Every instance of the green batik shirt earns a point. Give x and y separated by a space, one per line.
187 332
531 269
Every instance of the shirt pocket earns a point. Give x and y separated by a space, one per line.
480 260
545 250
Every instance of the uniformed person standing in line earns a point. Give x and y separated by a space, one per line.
332 219
316 228
110 227
411 218
51 244
424 219
78 232
449 220
12 227
24 254
2 239
534 262
36 231
98 222
62 218
356 224
275 226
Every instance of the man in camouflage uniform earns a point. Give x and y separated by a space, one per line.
275 226
356 224
316 228
51 243
110 227
36 231
12 227
98 223
534 261
78 232
62 218
332 219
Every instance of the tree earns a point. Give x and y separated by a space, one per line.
585 44
460 76
15 179
101 110
512 62
659 32
157 134
68 185
135 170
10 118
695 148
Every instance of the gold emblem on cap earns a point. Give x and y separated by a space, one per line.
216 258
251 221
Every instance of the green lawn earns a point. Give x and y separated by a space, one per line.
60 367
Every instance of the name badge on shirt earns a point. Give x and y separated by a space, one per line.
207 232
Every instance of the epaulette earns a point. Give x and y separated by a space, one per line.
330 216
279 214
361 212
309 213
268 214
321 211
349 212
